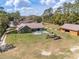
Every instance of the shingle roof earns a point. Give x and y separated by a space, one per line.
30 25
73 27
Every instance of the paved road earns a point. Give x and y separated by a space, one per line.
3 38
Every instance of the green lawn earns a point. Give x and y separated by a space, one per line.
29 46
25 38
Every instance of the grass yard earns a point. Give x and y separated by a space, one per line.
29 46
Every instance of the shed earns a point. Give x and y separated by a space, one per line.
73 29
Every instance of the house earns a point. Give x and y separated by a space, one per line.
29 27
73 29
26 21
11 24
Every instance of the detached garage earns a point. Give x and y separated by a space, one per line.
73 29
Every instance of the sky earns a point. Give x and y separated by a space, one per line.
31 7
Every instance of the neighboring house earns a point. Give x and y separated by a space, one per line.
26 21
73 29
11 24
29 27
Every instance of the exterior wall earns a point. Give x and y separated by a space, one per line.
25 30
74 33
39 29
71 32
11 24
29 30
78 33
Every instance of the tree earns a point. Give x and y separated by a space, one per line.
69 15
1 9
15 16
48 12
38 19
6 17
3 21
47 15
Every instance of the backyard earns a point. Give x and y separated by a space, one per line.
29 46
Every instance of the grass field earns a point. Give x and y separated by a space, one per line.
29 46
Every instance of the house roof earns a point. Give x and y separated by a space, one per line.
30 25
73 27
35 25
26 21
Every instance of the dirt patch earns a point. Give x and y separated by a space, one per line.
46 53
